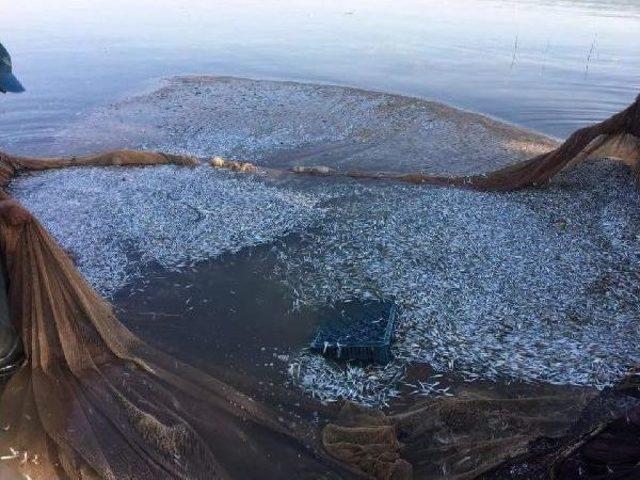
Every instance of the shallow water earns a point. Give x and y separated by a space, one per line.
247 313
551 66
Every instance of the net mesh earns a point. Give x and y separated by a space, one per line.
617 137
93 400
449 437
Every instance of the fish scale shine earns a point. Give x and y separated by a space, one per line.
489 283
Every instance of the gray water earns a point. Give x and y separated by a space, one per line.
548 65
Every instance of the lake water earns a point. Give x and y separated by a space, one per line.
549 65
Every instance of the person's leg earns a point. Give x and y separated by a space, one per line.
11 355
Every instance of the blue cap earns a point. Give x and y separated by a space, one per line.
8 81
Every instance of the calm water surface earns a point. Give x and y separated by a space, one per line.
548 65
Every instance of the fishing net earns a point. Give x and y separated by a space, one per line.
10 344
12 165
94 401
449 437
611 451
618 137
602 444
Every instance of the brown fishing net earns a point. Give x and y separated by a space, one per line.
604 443
517 438
617 137
451 437
11 354
11 165
94 401
611 451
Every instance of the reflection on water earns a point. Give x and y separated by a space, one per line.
551 66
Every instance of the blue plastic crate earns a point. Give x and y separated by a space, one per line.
357 330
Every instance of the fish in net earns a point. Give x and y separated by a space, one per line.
92 400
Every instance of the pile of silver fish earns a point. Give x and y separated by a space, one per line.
117 221
539 285
535 286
